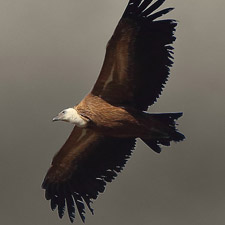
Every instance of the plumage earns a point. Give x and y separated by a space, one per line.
138 59
110 118
83 170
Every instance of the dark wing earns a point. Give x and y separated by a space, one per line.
138 57
82 167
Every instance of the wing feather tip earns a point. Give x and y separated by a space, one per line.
53 205
80 206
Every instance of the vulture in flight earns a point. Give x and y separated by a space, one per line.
113 115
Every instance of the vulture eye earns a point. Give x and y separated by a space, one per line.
63 112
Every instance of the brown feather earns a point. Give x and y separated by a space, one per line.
82 167
138 58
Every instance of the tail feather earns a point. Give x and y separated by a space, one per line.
169 118
168 124
153 145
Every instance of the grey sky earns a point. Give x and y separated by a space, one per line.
51 54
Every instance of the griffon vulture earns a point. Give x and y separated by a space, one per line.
113 115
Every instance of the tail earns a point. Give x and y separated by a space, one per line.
166 130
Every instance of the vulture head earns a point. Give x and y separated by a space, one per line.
70 115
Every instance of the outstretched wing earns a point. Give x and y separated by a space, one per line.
138 57
82 167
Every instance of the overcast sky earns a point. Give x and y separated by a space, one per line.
51 54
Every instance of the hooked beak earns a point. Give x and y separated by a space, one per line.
55 119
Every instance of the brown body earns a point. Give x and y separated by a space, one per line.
116 121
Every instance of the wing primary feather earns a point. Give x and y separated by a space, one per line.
61 207
144 5
80 205
153 7
44 184
53 203
47 188
78 201
47 194
132 5
53 196
88 203
69 204
159 14
61 201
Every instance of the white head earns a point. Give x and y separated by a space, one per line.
70 115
